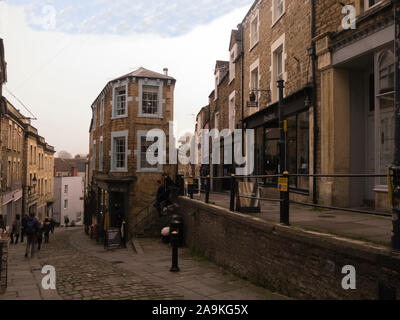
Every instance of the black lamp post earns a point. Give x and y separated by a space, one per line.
395 169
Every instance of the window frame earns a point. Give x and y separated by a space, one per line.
254 40
115 135
159 169
161 101
114 102
274 9
101 154
102 103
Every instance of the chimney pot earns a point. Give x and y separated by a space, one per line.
166 71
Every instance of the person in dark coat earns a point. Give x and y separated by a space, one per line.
46 230
23 226
32 227
160 198
52 225
16 229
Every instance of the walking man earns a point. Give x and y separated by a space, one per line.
23 225
46 229
16 229
31 229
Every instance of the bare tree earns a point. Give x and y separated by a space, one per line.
64 155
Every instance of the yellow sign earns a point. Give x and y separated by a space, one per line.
283 184
285 125
190 181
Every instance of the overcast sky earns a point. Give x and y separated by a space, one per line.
61 54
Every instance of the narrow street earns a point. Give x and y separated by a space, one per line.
85 271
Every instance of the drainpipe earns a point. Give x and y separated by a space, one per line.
314 100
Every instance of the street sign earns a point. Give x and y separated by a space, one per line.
113 238
283 184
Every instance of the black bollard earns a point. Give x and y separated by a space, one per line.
174 240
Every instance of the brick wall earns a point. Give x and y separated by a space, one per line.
296 263
3 265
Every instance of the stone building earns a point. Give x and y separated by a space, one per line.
338 96
3 67
355 100
119 174
11 162
271 43
38 182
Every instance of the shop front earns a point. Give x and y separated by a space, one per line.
297 139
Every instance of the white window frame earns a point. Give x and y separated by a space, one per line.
155 83
159 169
94 117
217 76
232 64
65 204
114 100
119 134
253 67
102 100
368 7
101 153
94 156
254 35
274 8
232 111
278 45
216 121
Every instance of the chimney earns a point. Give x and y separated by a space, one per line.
165 71
74 172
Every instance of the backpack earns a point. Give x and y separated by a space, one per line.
30 227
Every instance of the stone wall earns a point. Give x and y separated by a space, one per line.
296 263
3 265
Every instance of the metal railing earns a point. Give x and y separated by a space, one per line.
285 194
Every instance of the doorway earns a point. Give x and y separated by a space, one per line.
117 209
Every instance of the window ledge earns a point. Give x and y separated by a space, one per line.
254 45
119 170
277 19
119 117
150 116
149 170
381 189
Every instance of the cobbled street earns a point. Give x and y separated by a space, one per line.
81 276
85 271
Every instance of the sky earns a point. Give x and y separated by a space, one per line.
60 54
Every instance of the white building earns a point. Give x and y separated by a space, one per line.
69 195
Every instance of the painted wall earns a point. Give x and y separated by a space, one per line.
75 193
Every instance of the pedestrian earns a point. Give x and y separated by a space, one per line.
40 235
23 226
52 225
32 227
46 230
160 198
16 229
66 221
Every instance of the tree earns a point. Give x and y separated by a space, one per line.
64 155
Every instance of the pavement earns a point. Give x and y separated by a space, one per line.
86 271
358 226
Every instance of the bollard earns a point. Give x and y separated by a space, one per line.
174 240
232 204
285 201
208 189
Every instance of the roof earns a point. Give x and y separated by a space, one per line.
236 36
64 165
145 73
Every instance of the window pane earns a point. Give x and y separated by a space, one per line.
143 158
291 148
121 102
387 133
150 100
119 144
303 155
